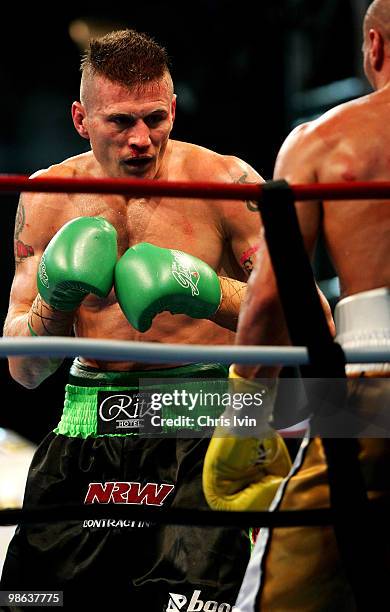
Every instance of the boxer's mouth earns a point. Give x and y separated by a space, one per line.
137 162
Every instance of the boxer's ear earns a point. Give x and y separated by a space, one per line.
377 49
173 107
79 117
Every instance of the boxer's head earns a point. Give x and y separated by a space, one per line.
376 45
127 105
126 57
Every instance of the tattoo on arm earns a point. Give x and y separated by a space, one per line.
251 205
54 320
21 249
247 259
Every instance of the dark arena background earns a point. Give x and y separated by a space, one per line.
245 75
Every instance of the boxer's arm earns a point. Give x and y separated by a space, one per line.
262 320
79 259
232 295
242 226
241 229
35 220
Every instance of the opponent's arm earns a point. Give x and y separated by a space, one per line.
262 320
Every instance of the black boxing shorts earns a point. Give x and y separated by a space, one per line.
125 564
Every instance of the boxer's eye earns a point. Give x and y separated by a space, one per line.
154 120
121 120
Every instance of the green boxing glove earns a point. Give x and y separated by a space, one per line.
78 260
149 280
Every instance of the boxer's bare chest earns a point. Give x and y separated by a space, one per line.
187 225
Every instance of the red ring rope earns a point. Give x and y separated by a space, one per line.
216 191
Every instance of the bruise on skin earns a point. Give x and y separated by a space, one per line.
348 176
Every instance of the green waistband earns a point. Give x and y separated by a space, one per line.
80 413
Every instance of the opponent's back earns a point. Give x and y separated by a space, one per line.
349 143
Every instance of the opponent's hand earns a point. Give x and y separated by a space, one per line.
79 259
244 473
150 279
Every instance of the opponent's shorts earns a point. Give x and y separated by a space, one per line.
363 319
299 568
125 564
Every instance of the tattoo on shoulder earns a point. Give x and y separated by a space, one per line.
21 250
250 204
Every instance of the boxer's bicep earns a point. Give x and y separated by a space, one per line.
36 220
243 220
22 234
38 217
246 240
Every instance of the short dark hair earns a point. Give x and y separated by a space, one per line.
126 56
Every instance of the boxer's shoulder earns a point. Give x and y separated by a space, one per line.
80 165
201 163
54 209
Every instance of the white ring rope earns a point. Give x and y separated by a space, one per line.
152 352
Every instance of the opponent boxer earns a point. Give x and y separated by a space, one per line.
178 272
348 143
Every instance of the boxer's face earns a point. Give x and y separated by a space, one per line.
129 128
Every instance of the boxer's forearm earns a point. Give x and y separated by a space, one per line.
262 320
262 323
233 293
79 259
40 320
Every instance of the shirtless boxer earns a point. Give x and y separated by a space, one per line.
67 247
301 568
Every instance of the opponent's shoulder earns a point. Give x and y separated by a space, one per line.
311 141
201 163
339 121
328 141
